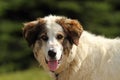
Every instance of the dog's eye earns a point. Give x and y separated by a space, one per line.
59 36
44 37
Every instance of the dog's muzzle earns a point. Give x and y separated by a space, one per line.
52 62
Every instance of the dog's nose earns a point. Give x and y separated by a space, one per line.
51 53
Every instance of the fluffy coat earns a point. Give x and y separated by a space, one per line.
85 55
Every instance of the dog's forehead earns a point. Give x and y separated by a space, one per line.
52 26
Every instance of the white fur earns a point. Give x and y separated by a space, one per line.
99 58
53 43
95 58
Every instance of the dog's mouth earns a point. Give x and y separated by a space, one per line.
53 64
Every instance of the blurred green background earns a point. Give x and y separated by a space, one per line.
16 58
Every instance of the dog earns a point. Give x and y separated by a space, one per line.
69 52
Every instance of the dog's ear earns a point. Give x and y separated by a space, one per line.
31 30
72 28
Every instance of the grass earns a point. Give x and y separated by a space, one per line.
31 74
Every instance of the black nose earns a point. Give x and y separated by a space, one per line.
51 53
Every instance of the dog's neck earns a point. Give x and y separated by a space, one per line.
56 76
69 70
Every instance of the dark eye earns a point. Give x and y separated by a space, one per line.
60 36
44 37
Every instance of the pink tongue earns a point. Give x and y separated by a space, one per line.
53 65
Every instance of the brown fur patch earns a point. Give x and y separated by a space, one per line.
66 47
72 28
32 29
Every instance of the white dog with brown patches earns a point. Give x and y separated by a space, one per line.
68 52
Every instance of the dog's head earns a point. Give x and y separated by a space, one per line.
51 39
